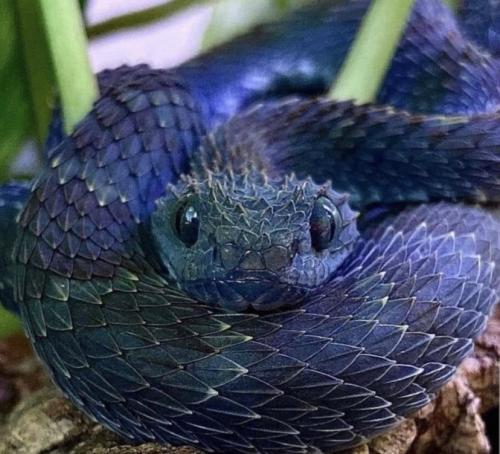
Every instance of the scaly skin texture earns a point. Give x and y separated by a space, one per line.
481 23
107 304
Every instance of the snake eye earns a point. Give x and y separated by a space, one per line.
325 223
187 223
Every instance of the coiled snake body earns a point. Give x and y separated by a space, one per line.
240 310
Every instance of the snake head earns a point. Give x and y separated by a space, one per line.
246 241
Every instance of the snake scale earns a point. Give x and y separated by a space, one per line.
188 263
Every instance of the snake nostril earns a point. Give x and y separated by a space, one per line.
294 249
216 257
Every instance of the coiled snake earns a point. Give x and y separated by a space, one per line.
238 308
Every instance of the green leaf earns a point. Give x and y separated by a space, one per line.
37 66
26 83
15 113
26 78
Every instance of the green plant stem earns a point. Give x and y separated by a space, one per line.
14 118
67 43
37 64
142 17
364 70
14 114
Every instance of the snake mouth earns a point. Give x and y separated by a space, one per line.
240 292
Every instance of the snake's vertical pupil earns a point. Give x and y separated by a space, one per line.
325 222
187 224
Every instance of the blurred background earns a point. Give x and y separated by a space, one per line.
164 43
172 40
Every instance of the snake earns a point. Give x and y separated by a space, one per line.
219 255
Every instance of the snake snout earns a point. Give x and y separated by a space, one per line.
249 278
272 259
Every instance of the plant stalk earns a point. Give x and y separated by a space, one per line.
368 61
37 63
67 42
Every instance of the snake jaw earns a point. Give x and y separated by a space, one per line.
243 240
262 293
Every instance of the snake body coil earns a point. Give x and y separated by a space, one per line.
238 308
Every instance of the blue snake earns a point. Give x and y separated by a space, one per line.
218 255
